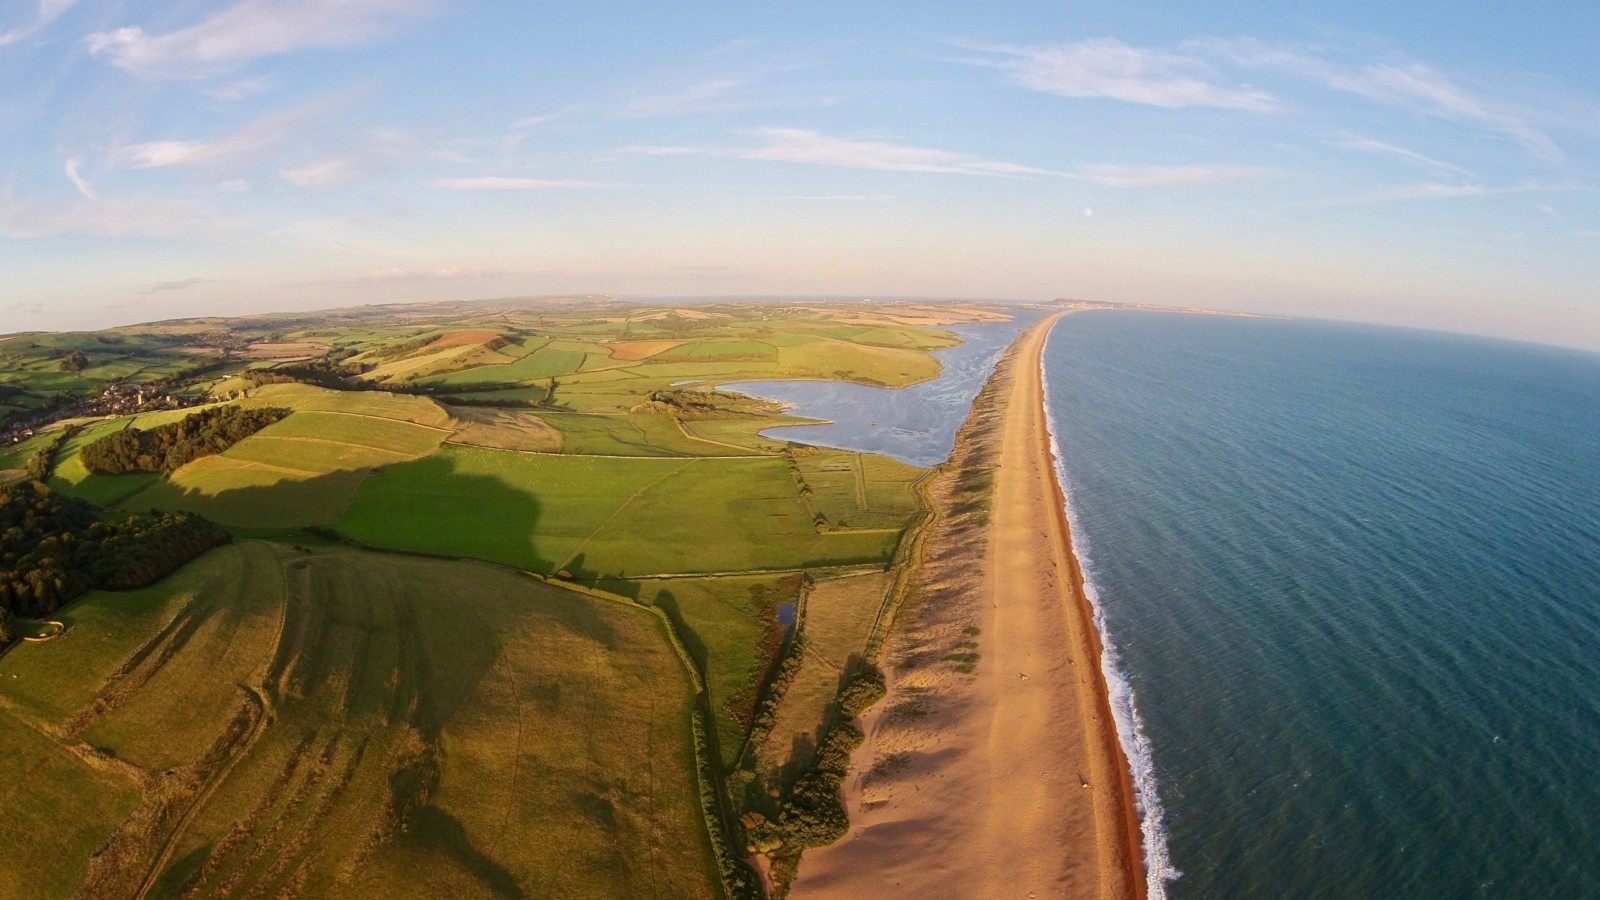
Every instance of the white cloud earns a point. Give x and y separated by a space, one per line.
1408 85
499 183
706 95
1369 145
49 11
1190 176
244 142
78 181
800 145
1106 67
1435 190
238 90
838 198
250 30
326 173
182 284
531 121
160 154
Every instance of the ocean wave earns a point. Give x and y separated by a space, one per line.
1136 746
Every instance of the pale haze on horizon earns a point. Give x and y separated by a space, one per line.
1427 167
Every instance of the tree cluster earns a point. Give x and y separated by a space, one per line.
75 361
166 447
43 460
54 548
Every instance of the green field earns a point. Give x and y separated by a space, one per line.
618 517
300 715
838 618
330 721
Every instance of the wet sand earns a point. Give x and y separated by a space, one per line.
1003 778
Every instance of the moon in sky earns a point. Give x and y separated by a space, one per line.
1087 211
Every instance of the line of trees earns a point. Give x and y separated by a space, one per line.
167 447
54 548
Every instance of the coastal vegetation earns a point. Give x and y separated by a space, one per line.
471 544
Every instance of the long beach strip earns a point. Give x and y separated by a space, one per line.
1004 778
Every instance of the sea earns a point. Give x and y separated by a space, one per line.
1350 579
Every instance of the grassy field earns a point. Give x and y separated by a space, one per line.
303 470
730 626
859 490
838 618
323 720
618 517
317 719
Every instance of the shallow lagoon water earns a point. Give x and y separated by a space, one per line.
916 424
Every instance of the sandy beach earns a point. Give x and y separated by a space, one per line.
992 769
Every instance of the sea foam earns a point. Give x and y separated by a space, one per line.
1130 729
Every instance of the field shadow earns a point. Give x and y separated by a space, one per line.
423 506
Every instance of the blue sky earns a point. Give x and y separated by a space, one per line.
1397 163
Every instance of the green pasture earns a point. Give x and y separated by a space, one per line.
241 493
860 490
633 434
729 625
606 516
378 404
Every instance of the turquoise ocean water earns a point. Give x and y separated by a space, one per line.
1352 577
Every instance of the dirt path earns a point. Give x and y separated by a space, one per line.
1006 780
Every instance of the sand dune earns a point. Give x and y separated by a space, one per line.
999 774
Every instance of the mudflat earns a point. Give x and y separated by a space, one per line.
993 768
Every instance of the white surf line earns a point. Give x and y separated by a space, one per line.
1136 746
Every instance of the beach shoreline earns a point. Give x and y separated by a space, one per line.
994 766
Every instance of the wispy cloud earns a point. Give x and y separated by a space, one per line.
1434 190
327 173
1190 176
78 181
835 198
1369 145
242 142
251 30
1407 85
801 145
238 90
1108 68
533 121
806 147
49 11
181 284
707 95
364 159
502 183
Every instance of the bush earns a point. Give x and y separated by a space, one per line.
812 815
861 692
